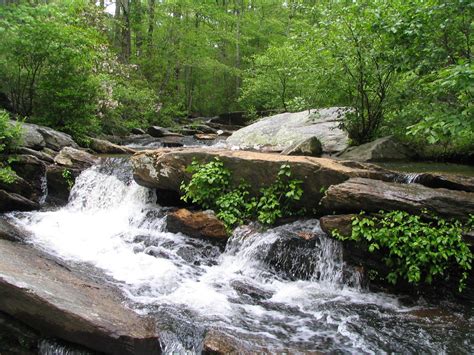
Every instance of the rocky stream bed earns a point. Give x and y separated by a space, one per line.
113 266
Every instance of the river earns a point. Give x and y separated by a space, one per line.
193 286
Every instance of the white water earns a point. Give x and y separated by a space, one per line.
193 286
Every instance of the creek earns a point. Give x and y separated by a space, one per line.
193 286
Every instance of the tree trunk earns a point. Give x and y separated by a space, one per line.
151 24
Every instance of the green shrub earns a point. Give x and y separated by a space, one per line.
10 136
418 249
210 187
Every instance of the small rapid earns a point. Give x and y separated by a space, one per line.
264 289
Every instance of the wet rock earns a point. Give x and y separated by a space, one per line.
205 136
138 131
58 186
451 182
172 141
10 201
284 130
165 169
382 149
41 155
310 147
33 171
20 186
75 158
61 303
106 147
158 132
196 224
202 128
9 231
17 338
358 194
56 140
293 256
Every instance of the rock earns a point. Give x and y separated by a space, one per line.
367 195
56 140
451 182
282 131
165 169
10 201
137 131
223 127
106 147
33 171
75 158
205 137
20 186
294 256
158 132
171 141
9 231
341 223
382 149
202 128
311 147
196 224
41 155
31 137
17 338
58 187
60 302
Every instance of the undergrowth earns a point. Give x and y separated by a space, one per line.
418 249
210 187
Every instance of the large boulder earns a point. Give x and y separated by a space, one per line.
165 169
10 201
38 137
281 131
75 158
201 224
56 140
31 137
368 195
60 302
106 147
382 149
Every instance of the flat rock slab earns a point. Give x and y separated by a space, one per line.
368 195
165 169
59 302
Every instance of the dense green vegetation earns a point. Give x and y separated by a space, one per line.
418 250
211 187
404 66
10 136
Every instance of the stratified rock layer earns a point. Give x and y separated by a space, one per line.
165 169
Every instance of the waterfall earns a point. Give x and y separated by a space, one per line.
279 288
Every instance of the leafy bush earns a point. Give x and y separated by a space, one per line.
418 249
210 187
10 135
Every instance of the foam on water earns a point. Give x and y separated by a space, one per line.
193 285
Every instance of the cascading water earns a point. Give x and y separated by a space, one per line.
266 289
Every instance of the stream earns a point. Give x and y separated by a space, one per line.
193 287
